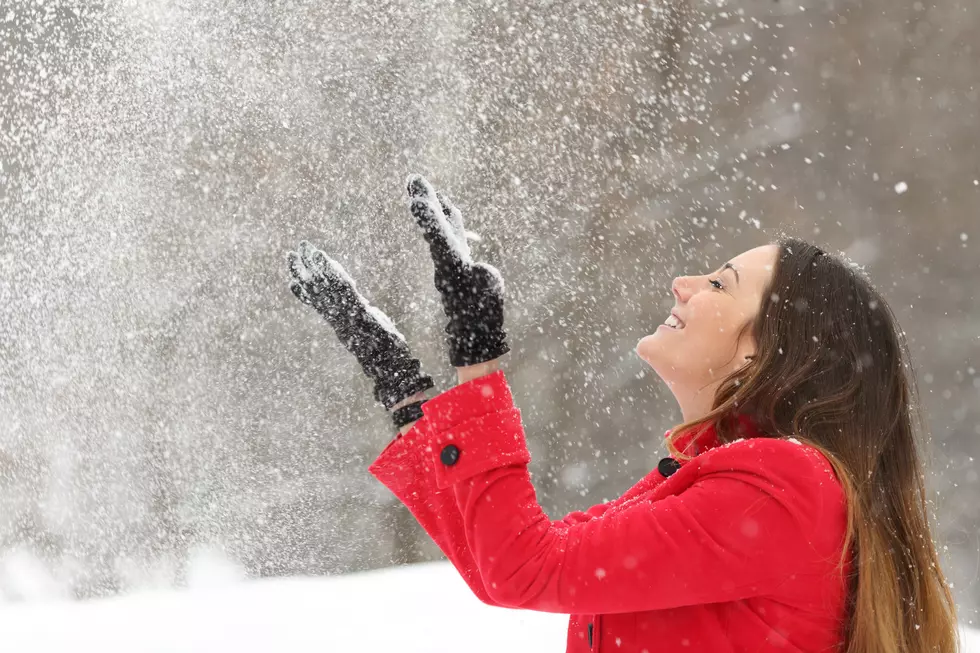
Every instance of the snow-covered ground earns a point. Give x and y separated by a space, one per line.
410 609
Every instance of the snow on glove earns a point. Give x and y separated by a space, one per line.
472 293
321 282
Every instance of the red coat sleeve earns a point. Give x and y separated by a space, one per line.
403 468
739 531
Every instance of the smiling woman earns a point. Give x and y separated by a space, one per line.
831 370
791 514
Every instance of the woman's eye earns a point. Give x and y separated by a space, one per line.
717 284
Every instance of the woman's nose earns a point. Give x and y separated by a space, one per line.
681 288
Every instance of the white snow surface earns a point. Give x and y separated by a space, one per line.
413 609
425 607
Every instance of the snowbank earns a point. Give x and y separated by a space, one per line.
411 609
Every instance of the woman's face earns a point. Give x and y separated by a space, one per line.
707 336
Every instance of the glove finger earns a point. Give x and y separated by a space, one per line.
427 210
339 284
490 277
455 219
297 270
385 322
300 292
324 268
425 206
334 273
318 262
419 186
306 251
345 287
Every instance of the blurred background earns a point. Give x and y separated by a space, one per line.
164 397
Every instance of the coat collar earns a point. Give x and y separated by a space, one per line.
698 441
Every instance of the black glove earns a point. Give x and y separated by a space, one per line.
472 293
363 329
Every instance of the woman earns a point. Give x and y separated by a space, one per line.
791 515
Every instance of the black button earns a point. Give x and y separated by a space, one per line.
666 466
449 455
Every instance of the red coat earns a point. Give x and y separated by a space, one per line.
734 550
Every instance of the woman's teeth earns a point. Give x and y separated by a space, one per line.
673 323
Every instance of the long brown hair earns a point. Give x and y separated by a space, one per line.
832 370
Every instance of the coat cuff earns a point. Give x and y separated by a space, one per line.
399 466
473 429
485 394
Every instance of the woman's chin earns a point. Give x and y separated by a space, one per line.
655 353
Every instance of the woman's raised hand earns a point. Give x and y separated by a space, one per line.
472 293
321 282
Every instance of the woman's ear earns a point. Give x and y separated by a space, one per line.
745 349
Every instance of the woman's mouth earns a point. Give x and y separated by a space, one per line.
673 322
